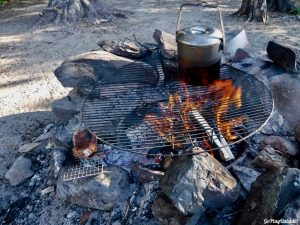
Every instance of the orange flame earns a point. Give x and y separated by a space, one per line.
229 94
225 94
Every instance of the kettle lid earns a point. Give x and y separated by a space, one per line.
199 36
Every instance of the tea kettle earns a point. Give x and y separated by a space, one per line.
199 45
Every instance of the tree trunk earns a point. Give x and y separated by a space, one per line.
257 9
254 10
69 11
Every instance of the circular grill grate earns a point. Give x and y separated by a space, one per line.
139 116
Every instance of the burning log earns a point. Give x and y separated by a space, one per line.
226 153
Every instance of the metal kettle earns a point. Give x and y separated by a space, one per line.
199 45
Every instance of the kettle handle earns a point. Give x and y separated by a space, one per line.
203 4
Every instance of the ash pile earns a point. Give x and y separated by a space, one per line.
69 175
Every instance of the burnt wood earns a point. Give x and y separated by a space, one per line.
284 55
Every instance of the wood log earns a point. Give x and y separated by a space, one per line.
286 56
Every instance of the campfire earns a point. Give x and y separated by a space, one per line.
223 92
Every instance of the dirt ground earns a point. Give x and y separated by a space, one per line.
29 54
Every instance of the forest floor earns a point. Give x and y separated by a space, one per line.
30 53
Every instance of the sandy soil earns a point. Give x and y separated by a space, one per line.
29 54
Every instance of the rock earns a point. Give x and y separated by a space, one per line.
64 109
102 192
282 144
43 137
19 171
286 92
268 158
241 54
297 133
32 217
85 69
246 176
166 213
60 155
28 147
292 213
71 214
127 49
197 183
47 190
144 175
270 194
78 75
167 43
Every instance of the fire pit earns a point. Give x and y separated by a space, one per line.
163 115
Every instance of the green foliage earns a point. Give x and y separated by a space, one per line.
295 12
2 2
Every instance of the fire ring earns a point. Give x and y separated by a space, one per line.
154 114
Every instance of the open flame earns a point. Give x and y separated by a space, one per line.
224 93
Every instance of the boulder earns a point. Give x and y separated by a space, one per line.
199 182
282 144
270 194
84 70
292 213
286 93
166 213
269 158
79 75
241 54
246 175
19 172
97 64
144 175
167 43
102 192
65 109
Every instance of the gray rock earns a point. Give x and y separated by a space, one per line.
246 175
286 93
100 192
64 109
167 43
240 55
144 175
270 194
166 213
282 144
60 155
76 75
85 69
268 158
19 171
292 213
197 183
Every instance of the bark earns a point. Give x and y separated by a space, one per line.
257 9
70 11
254 10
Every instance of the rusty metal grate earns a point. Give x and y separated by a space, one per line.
116 113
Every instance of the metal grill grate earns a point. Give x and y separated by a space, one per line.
81 169
117 112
